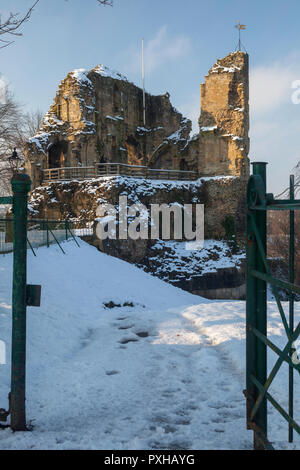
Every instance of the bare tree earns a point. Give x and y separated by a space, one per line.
16 127
278 240
30 125
10 135
11 25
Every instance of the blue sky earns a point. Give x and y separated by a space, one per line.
183 38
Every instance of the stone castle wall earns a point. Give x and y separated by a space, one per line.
78 201
224 120
97 116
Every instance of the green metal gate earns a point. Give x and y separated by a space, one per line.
258 275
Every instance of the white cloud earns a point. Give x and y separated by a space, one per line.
275 119
191 110
160 50
271 85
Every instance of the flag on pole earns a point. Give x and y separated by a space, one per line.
240 26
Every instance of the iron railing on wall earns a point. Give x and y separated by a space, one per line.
115 169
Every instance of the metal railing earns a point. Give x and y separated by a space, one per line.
40 233
115 169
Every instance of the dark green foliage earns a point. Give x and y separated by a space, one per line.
230 232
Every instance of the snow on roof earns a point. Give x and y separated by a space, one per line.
107 72
81 76
218 68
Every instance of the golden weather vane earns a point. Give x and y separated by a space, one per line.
240 27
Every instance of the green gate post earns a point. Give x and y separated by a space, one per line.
47 223
291 300
251 339
256 313
21 186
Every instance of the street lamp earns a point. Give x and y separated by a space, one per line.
14 161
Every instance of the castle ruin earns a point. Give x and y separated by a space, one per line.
97 117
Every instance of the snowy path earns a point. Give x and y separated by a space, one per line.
163 371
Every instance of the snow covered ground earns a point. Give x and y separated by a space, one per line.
161 369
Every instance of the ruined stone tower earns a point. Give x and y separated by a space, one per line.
97 117
224 119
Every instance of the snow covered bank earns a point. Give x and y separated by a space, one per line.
118 359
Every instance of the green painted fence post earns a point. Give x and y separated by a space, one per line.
251 302
256 313
261 348
291 300
21 186
47 225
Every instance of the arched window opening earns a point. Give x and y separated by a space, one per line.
57 155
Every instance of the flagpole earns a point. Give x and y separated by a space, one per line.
143 78
240 27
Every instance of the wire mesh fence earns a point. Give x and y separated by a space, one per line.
6 246
42 233
82 228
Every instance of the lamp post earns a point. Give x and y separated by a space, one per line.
14 160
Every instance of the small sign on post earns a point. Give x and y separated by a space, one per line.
33 295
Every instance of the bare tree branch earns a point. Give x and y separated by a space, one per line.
10 123
15 129
11 25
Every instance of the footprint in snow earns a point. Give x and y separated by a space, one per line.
142 334
128 340
125 327
112 372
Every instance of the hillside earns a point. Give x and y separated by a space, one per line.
119 359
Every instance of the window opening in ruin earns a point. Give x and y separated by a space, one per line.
116 99
57 155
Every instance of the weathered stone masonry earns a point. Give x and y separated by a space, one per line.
224 120
97 116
